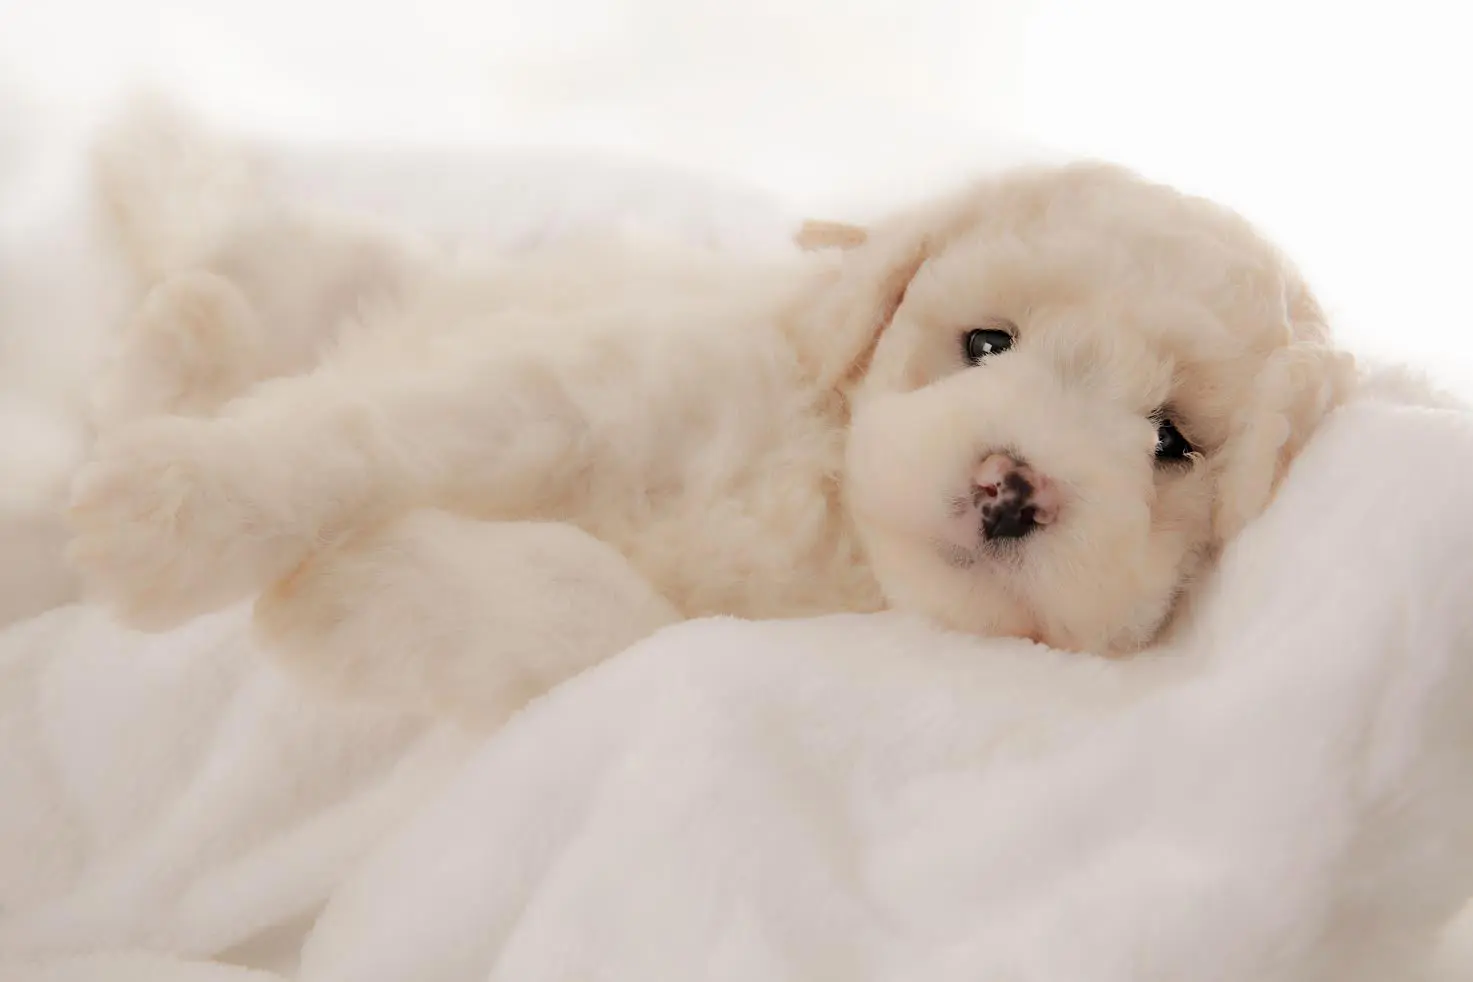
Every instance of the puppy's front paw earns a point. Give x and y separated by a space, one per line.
166 524
192 346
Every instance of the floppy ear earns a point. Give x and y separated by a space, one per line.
837 330
1300 384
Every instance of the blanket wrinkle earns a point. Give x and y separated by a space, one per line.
252 780
1271 738
1277 795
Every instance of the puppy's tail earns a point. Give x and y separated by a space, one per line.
170 191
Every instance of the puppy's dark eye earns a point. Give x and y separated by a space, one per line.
1170 444
983 341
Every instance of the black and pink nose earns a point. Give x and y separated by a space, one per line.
1012 498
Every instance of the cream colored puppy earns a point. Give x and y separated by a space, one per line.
1035 408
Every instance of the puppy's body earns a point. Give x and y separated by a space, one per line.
772 438
681 433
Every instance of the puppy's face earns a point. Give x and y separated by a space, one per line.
1069 387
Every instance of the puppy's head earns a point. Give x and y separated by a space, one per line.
1069 387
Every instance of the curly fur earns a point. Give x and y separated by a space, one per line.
403 481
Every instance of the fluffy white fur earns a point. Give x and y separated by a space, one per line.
65 289
760 437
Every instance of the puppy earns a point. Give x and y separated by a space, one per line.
817 234
1034 408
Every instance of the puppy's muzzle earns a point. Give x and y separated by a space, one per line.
1011 498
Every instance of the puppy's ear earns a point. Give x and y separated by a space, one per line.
1298 386
837 330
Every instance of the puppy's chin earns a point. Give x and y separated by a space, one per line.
1100 578
995 591
968 590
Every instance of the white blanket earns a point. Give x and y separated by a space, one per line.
1281 796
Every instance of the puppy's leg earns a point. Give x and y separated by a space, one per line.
175 516
198 219
193 345
469 619
282 291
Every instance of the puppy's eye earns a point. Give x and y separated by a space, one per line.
1170 444
983 341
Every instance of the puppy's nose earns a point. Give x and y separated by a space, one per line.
1012 498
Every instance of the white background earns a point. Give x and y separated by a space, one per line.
1341 129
